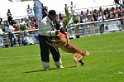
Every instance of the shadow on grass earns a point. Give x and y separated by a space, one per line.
34 71
50 69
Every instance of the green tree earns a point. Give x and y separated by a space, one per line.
66 20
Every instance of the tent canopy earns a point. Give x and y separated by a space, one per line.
18 9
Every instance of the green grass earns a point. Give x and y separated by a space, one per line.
104 64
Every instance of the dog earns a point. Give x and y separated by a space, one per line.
60 41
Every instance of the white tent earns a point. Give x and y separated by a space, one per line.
3 9
18 9
58 5
16 0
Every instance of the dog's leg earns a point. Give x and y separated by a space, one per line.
82 63
78 58
77 63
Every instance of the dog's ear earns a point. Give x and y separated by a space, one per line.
57 32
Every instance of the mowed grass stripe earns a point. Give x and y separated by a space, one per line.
104 64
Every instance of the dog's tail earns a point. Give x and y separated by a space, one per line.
86 53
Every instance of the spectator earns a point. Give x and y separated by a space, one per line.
72 8
46 30
117 12
13 22
38 10
90 17
106 13
106 29
29 12
11 34
16 27
57 23
44 11
66 9
100 10
1 31
95 15
35 23
1 37
85 26
36 37
0 20
101 19
122 10
60 19
81 17
112 15
117 2
26 38
87 13
9 15
22 22
34 9
28 24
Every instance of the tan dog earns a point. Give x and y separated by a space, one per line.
65 45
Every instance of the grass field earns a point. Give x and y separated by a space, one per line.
104 64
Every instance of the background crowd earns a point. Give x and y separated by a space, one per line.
11 26
108 13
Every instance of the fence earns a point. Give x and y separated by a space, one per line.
94 27
30 37
75 30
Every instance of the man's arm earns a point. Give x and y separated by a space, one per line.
38 8
56 45
47 30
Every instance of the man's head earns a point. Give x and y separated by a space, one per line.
52 14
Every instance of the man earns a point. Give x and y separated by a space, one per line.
101 19
0 20
30 12
1 37
10 30
66 9
44 11
38 10
72 8
47 30
117 2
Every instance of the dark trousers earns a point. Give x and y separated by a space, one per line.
101 30
45 50
10 20
11 36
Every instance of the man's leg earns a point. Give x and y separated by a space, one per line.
14 36
101 28
44 52
10 37
56 56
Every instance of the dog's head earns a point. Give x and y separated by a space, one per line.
61 35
